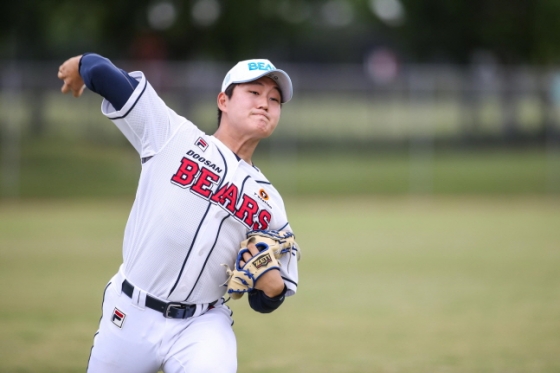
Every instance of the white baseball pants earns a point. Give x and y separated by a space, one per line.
135 339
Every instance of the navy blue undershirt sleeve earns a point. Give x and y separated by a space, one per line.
262 303
104 78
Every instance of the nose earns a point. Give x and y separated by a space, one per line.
263 102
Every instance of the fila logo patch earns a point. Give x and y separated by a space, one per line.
201 144
118 317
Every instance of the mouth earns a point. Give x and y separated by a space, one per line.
261 115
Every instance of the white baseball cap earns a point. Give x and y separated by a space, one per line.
250 70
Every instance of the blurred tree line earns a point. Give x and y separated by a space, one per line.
520 31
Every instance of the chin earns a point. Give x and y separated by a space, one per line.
265 129
267 132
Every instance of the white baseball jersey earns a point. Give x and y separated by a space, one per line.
196 201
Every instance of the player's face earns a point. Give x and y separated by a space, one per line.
254 107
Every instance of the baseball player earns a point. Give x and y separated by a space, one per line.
206 224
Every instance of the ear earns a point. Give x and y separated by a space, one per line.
222 101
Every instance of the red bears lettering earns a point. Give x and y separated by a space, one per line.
264 220
186 173
247 211
227 196
201 181
204 181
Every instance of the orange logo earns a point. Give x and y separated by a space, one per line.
263 194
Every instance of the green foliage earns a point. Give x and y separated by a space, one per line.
294 30
453 30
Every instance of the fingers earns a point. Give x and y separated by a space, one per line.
252 248
65 88
78 92
63 73
248 255
70 74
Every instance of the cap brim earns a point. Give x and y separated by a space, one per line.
284 83
279 76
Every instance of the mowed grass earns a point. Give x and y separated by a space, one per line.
387 284
61 169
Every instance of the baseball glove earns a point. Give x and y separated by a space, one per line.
272 245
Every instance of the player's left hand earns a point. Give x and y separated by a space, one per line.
69 73
257 265
270 282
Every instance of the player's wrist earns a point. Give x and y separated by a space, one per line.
271 283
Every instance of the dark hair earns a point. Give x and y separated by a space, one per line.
229 93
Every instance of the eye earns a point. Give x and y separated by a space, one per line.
254 92
275 99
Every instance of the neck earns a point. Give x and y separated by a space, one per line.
243 147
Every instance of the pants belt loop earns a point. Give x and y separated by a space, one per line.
139 298
200 309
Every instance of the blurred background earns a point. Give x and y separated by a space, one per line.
393 76
419 160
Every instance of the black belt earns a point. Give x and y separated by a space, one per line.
171 310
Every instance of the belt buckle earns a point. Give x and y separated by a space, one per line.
168 307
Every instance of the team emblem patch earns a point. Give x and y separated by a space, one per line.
263 194
202 144
118 317
262 261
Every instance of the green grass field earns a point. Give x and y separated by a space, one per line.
388 284
60 169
